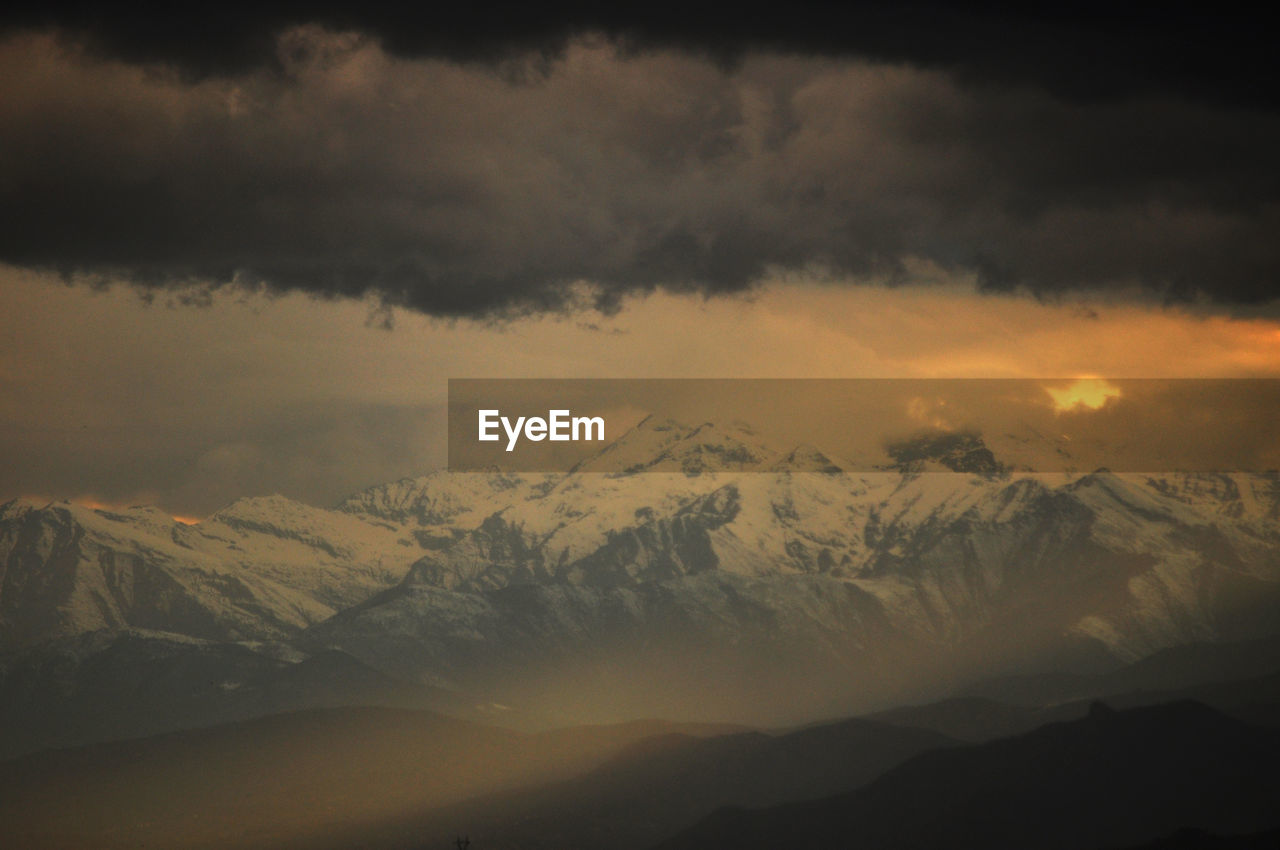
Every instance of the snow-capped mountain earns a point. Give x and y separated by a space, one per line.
261 568
714 563
664 445
812 570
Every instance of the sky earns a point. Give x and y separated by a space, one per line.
243 254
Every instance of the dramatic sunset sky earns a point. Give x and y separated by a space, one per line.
244 254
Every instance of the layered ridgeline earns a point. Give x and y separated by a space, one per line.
1112 779
724 582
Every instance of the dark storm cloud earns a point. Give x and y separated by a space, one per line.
1081 50
473 188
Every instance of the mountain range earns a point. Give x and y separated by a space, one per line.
711 581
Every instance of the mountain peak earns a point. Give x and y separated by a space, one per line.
20 505
944 451
807 458
667 445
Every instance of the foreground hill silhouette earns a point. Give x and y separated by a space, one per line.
661 785
1168 670
286 779
116 686
1241 680
1198 839
1111 779
383 778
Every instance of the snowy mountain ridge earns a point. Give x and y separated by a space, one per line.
720 551
261 568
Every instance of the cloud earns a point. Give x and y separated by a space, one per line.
1083 51
543 183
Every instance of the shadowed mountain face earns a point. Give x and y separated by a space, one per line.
1109 780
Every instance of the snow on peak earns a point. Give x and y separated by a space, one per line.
918 543
945 451
262 567
807 458
666 445
19 507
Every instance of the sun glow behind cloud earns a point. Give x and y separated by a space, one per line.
95 504
1082 394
